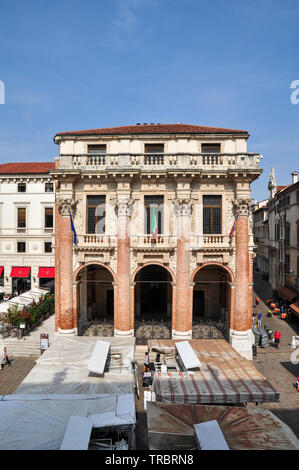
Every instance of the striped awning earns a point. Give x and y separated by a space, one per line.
287 294
224 377
46 272
295 307
18 271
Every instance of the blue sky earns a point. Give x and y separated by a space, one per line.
70 65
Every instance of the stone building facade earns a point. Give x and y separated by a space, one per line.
153 208
27 200
283 240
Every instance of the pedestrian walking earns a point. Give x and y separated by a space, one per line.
297 384
277 336
259 319
146 362
4 358
257 301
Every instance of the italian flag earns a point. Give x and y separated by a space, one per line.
154 228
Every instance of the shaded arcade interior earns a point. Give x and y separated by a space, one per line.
95 294
211 294
153 294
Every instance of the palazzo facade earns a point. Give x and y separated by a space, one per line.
153 207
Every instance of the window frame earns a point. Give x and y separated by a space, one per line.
211 207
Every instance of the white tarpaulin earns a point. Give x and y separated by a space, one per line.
39 422
62 368
187 355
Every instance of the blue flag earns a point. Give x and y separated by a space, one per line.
73 228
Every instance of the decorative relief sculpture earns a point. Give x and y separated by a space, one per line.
183 206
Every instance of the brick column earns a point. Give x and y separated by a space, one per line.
64 235
181 324
241 333
123 321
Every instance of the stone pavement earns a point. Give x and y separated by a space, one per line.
275 364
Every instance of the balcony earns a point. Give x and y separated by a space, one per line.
145 241
160 161
96 241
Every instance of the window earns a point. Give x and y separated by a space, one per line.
49 217
298 267
297 196
21 187
210 148
154 148
21 218
212 214
96 214
297 234
97 149
48 247
151 202
287 264
49 187
21 247
154 154
287 234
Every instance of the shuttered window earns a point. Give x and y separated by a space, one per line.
212 214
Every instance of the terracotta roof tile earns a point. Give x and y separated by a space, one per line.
155 129
26 167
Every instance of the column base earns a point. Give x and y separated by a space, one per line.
71 332
123 333
242 342
181 334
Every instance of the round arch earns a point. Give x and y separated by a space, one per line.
90 263
152 291
212 295
94 293
152 263
213 263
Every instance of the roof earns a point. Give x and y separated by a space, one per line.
39 422
26 168
224 376
63 368
248 428
155 129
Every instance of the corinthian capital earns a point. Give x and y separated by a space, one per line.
65 205
183 206
242 206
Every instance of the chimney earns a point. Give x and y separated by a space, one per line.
294 177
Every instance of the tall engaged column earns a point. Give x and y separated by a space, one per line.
181 322
122 321
66 323
241 334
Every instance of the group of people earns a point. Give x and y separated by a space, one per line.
259 317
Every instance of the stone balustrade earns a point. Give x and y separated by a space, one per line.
161 161
103 241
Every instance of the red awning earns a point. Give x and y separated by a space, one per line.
287 294
295 307
18 271
1 270
46 272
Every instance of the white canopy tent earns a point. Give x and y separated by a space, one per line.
63 368
39 422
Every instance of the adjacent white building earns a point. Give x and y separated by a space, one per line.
27 198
